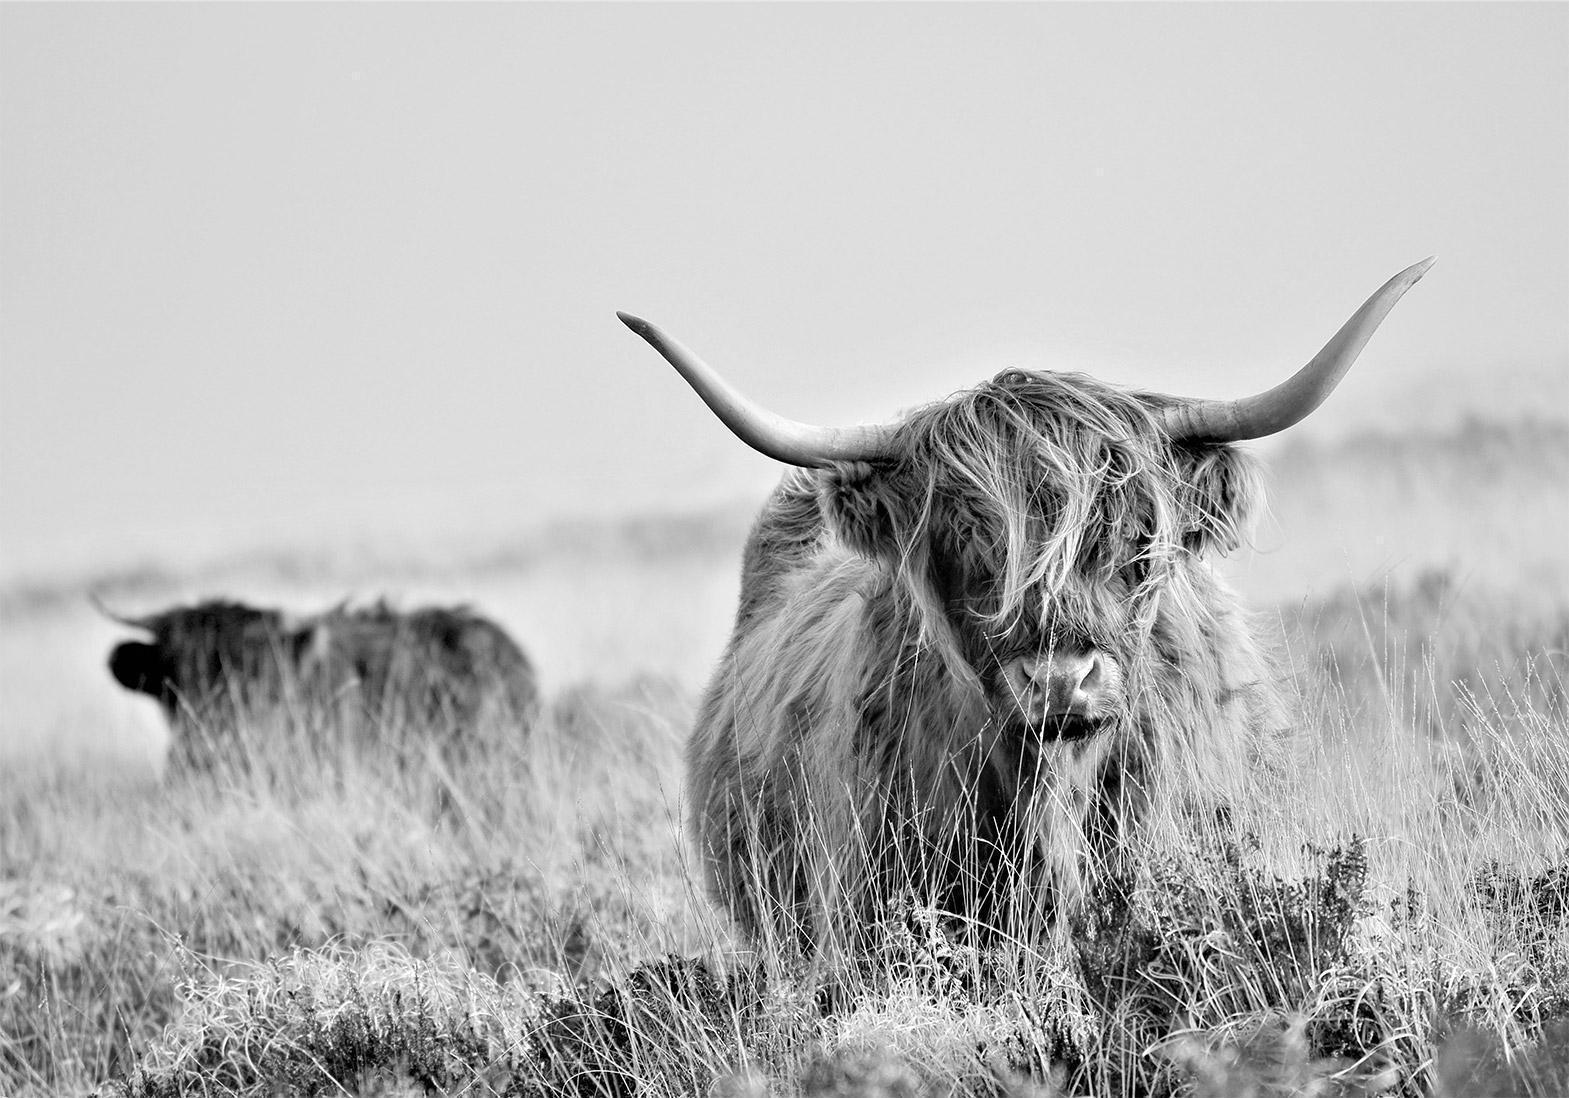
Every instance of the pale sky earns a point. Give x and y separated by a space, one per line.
283 272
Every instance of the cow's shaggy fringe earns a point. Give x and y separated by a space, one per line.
856 744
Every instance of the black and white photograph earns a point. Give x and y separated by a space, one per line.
784 549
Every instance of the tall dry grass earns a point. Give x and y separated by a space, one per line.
557 852
1388 914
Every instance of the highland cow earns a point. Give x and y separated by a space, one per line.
977 648
217 666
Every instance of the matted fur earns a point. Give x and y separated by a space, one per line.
858 743
220 664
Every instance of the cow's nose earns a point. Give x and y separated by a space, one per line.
1063 682
134 665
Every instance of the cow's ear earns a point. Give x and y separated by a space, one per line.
861 504
1220 491
138 666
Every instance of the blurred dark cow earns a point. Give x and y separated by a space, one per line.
443 670
979 650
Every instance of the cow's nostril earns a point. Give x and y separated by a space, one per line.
1094 676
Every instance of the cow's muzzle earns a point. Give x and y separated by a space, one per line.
137 666
1065 693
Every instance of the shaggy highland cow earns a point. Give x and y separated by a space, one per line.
434 670
979 647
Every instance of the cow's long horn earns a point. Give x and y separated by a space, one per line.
99 605
781 439
1295 398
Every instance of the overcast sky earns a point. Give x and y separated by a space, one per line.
292 271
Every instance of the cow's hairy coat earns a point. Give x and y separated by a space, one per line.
860 742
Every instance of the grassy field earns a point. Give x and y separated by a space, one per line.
1389 915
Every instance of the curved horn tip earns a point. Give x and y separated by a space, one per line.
1417 270
636 323
1297 397
94 598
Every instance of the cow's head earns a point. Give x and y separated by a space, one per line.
1040 520
198 653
